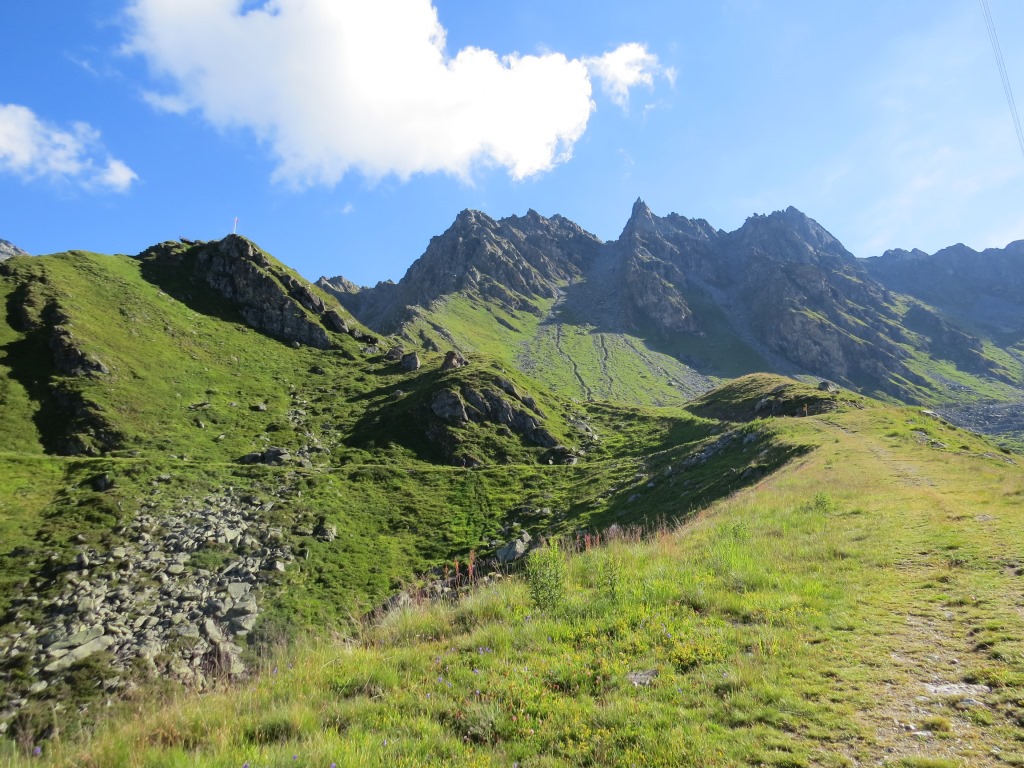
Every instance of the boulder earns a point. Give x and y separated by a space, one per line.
410 362
453 360
514 549
83 651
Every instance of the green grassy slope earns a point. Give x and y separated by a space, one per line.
860 607
187 390
579 361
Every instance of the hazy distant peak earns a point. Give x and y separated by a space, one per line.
9 250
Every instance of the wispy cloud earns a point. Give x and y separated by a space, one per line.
339 85
32 148
626 67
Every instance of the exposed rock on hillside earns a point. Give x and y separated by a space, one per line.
36 311
267 296
10 250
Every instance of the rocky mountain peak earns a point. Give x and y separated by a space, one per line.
641 221
9 250
790 235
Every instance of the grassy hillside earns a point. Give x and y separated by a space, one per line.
860 607
170 406
578 360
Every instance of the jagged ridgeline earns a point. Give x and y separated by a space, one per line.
201 452
674 305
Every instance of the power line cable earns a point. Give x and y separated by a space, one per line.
990 24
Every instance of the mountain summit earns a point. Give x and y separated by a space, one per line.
780 293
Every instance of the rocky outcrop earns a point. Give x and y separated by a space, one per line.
35 311
276 305
485 405
9 250
268 297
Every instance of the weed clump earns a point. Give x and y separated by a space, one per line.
546 577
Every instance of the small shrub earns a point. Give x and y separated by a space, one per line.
937 724
546 576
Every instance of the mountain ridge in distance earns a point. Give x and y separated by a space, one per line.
779 293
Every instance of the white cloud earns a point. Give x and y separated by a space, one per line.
626 67
339 85
32 148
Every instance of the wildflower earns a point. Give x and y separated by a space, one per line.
38 751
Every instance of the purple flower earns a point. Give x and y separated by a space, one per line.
245 765
38 751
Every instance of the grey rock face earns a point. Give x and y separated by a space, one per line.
9 250
453 360
509 260
448 406
410 362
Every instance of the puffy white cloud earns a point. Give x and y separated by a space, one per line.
337 85
627 66
32 148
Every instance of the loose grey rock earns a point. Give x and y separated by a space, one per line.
643 678
78 654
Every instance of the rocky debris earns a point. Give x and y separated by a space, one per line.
708 452
559 454
273 456
394 354
514 549
642 678
410 362
828 386
325 531
143 601
453 360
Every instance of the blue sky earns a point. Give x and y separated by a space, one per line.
344 134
